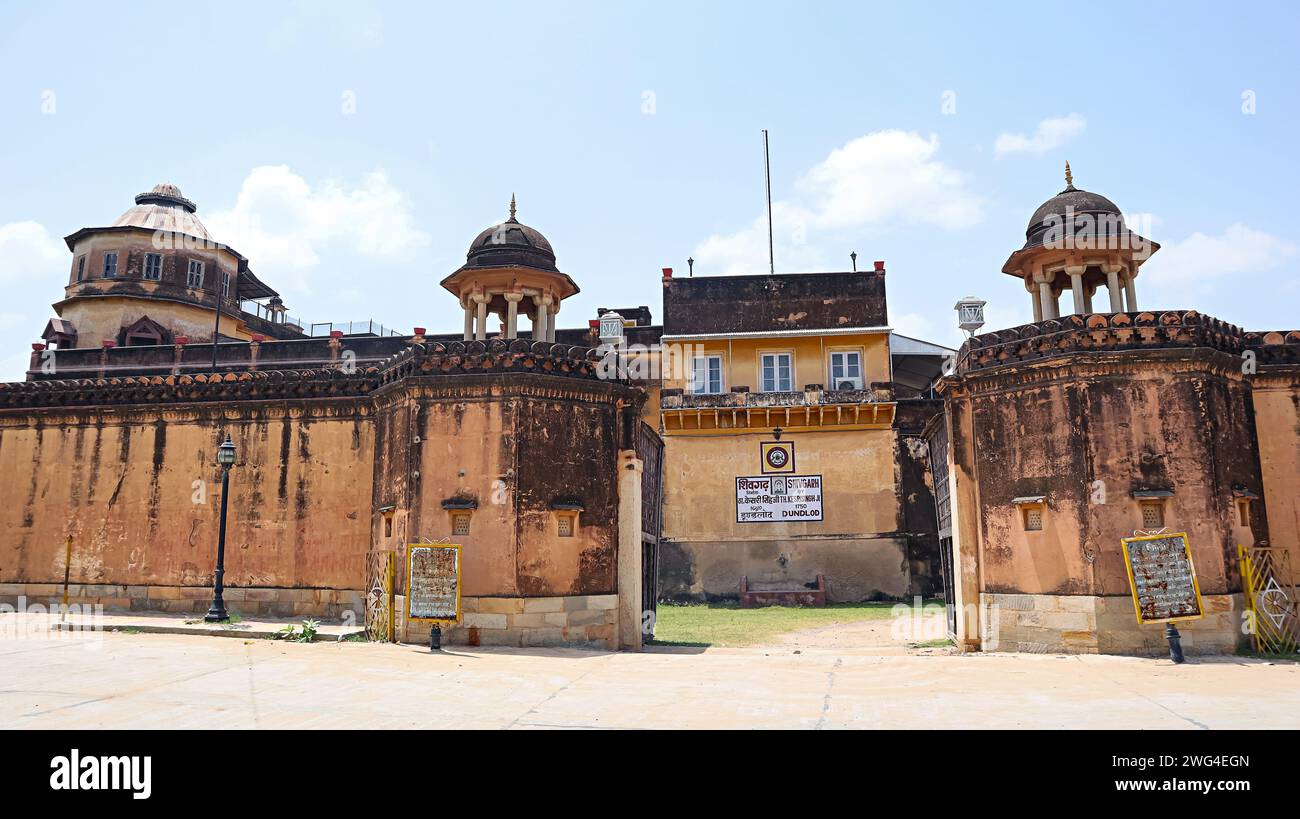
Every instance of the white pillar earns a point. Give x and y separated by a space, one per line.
1048 302
480 321
551 317
469 323
1112 287
631 608
539 323
1087 301
1130 290
1076 287
1037 304
512 314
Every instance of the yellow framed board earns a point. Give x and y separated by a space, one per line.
433 582
1162 577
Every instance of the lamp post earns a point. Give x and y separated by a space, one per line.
217 611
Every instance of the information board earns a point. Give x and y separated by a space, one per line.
433 582
1162 578
779 499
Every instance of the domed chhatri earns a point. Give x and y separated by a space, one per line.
511 242
1070 207
1078 240
510 270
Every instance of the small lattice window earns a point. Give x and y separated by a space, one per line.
565 526
1033 518
460 523
1153 515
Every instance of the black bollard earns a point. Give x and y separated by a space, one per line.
435 640
1175 643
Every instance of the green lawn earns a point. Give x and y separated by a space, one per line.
727 624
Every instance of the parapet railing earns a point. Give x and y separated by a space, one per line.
325 380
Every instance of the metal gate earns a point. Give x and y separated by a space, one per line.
938 442
379 596
650 451
1269 586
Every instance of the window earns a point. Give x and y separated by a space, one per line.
1153 515
777 372
225 285
706 375
460 523
564 525
388 525
195 276
110 265
153 266
81 268
846 371
1243 511
1033 518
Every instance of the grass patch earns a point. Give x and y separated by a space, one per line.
727 624
944 643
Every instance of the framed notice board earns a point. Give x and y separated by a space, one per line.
1162 578
433 582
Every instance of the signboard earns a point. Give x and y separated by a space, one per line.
777 457
779 499
433 582
1162 577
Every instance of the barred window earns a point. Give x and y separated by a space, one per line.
153 266
460 523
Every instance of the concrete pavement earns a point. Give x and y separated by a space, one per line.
119 680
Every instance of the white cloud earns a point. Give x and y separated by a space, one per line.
1051 133
885 177
282 223
1200 259
28 251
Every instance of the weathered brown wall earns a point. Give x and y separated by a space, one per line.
1162 419
123 483
515 448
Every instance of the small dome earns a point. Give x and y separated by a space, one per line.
511 243
1071 204
164 208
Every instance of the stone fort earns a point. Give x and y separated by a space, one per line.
590 471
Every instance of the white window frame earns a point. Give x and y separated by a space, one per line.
105 270
708 358
225 285
81 267
833 383
144 271
195 266
776 370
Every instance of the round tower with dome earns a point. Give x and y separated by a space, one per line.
156 275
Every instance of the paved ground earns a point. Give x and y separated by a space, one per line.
179 681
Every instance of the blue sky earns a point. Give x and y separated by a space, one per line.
352 151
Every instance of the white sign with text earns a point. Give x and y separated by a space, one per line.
779 498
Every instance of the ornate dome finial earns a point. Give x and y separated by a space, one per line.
512 207
1069 177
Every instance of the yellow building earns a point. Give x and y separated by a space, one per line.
783 458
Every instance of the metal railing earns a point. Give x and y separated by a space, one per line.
369 327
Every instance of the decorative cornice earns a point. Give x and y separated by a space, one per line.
1106 332
329 381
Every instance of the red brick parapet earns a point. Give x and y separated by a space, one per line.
1100 332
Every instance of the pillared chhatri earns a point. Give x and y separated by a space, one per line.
773 439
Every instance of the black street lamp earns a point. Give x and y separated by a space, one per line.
217 611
